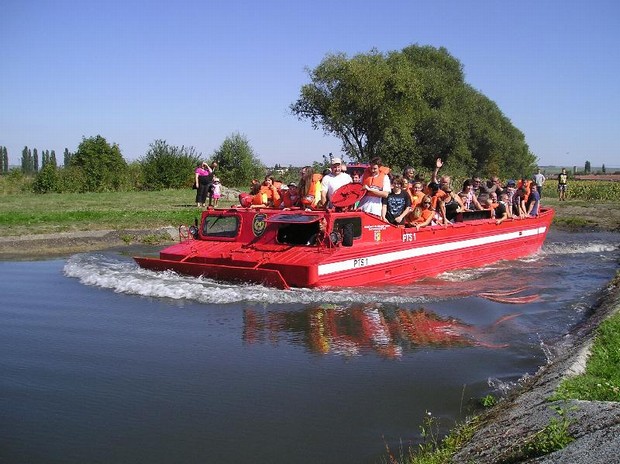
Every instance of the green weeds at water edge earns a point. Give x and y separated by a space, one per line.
434 450
553 437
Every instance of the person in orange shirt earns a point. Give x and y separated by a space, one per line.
422 215
416 194
310 187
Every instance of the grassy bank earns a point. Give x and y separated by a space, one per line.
25 214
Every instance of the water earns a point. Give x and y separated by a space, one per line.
104 362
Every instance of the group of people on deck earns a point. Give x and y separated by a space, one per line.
403 200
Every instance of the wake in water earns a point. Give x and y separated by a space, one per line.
490 282
107 271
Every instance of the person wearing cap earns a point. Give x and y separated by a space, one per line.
377 185
333 181
289 196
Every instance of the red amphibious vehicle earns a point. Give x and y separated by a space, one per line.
300 248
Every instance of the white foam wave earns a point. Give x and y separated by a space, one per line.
564 248
124 276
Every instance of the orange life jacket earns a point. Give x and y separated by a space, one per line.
287 201
373 181
266 195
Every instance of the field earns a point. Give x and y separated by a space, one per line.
34 225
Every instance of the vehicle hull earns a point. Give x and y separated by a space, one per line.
380 253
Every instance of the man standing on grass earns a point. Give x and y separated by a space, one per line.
562 184
539 180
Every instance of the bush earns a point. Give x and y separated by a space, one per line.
46 180
71 179
168 167
102 164
15 181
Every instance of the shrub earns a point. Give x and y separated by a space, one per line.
166 166
46 180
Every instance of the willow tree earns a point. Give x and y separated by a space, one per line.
409 107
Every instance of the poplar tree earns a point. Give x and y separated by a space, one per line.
26 160
66 160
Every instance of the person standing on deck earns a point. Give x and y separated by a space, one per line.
377 185
333 181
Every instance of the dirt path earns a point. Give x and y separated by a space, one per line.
67 243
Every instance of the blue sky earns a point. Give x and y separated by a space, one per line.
194 72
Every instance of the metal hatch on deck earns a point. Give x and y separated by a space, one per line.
296 229
301 218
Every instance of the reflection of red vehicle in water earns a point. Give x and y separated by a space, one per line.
352 330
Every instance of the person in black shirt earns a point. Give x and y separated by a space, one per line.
397 204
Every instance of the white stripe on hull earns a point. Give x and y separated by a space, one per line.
366 261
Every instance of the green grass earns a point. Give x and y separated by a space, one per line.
435 450
28 213
601 380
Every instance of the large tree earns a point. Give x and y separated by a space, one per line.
237 164
409 107
102 164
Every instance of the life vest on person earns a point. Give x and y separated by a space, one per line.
265 196
423 216
245 199
527 187
314 194
288 201
375 182
416 198
382 170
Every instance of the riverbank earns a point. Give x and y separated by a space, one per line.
595 425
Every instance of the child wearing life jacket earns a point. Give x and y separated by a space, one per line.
267 195
289 196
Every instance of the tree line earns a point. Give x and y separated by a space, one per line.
98 166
